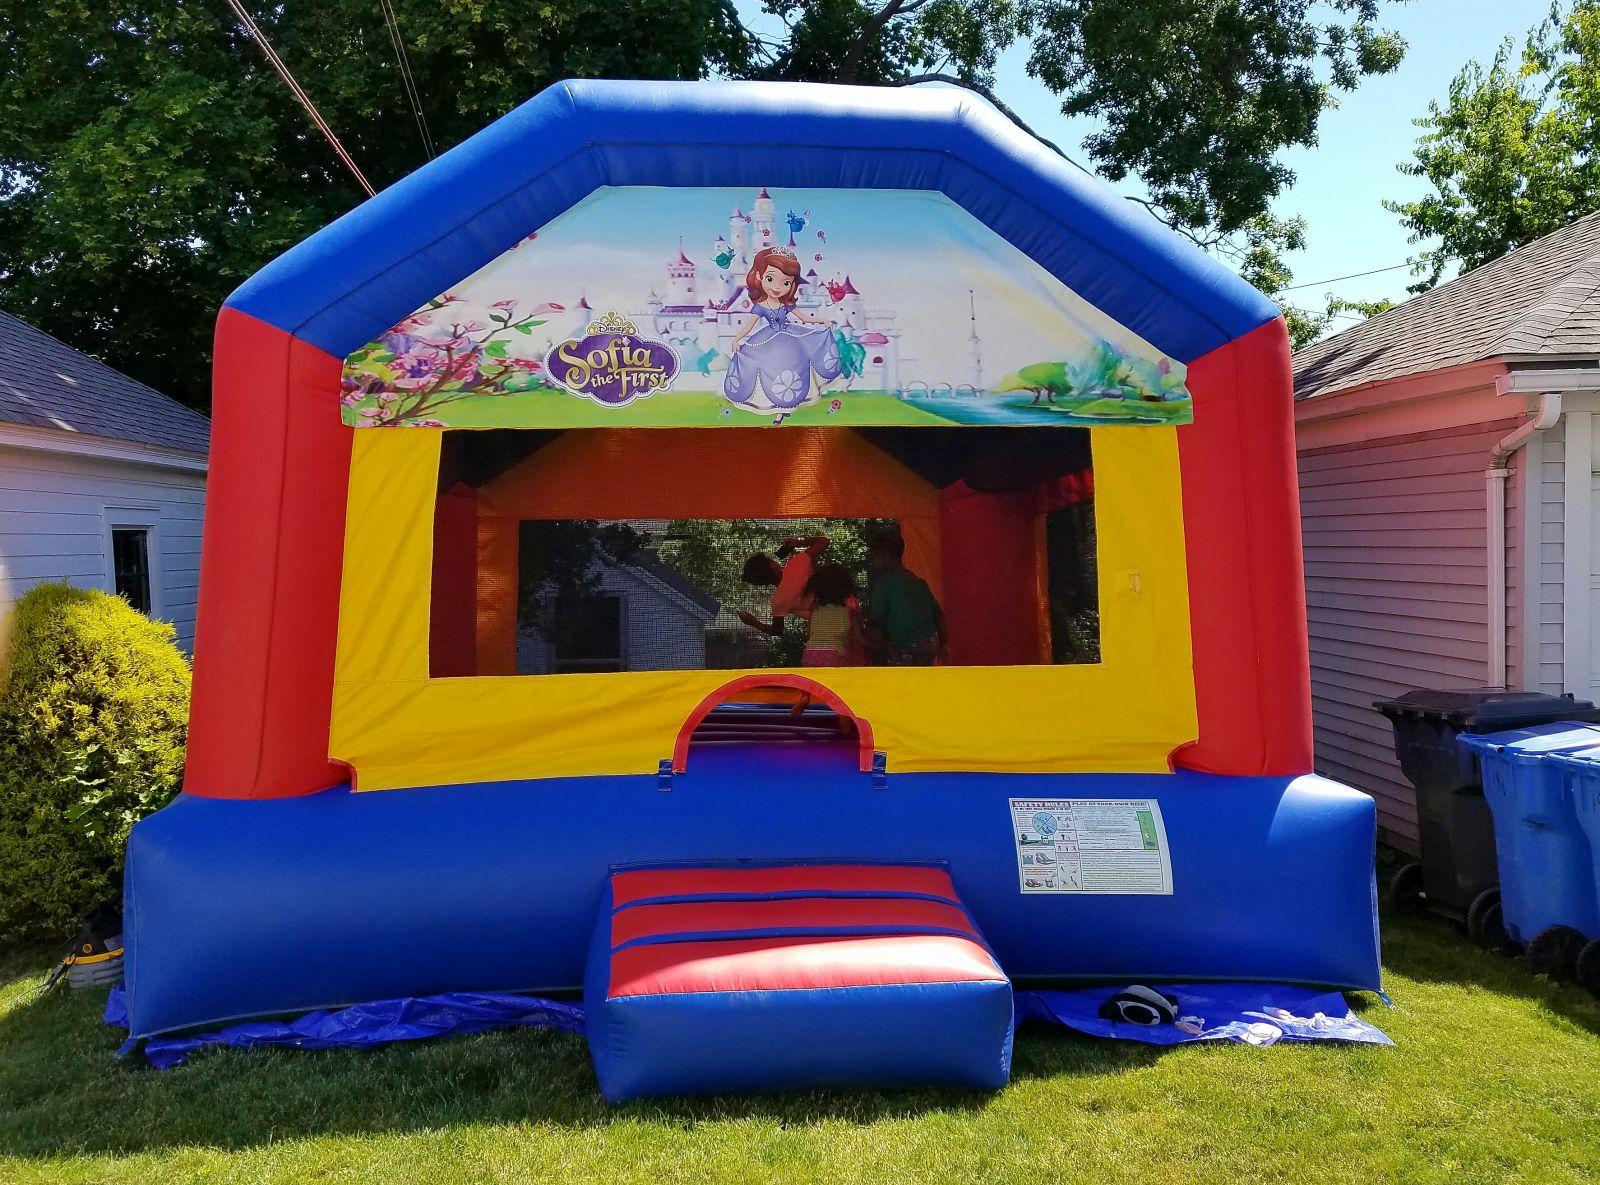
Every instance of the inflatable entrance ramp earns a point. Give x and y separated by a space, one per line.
708 979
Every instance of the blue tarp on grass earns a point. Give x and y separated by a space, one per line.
1247 1013
361 1026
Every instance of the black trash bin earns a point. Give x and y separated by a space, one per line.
1458 876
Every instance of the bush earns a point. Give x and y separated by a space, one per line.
92 723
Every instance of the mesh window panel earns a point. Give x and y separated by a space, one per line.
1005 564
658 595
1073 584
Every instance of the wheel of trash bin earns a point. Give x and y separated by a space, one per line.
1405 889
1492 930
1588 968
1481 904
1554 951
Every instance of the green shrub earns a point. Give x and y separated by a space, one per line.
92 722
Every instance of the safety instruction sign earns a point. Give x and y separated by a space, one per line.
1091 845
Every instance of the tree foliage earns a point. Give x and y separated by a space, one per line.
150 160
1198 96
560 563
1514 152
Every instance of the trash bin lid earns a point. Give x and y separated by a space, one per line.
1581 756
1487 709
1532 744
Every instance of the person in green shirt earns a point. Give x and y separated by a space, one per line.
907 622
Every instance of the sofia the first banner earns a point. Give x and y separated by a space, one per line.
649 307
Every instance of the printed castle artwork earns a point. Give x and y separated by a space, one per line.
894 308
701 321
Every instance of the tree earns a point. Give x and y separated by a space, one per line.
1042 380
1515 151
150 160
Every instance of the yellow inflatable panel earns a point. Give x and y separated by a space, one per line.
397 727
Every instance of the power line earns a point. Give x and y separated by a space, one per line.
413 95
305 100
1352 276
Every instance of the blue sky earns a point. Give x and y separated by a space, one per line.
1344 179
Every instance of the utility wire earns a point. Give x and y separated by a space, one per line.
1393 267
305 100
413 95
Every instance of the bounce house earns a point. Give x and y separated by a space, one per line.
790 562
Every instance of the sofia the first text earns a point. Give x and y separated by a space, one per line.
612 364
624 361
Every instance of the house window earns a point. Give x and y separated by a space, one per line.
130 565
585 635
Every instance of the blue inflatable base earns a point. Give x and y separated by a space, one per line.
243 909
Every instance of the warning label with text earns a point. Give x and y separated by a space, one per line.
1091 845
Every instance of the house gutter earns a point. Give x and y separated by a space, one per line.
78 444
1547 416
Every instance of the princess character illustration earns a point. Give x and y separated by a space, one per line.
778 348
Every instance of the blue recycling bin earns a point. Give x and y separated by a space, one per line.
1582 773
1547 868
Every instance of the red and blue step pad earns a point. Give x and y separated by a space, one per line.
740 977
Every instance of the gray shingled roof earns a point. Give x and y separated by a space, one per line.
45 383
654 567
1542 299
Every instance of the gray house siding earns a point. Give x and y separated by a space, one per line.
661 630
56 513
1395 591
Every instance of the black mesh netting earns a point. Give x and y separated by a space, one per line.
653 594
657 595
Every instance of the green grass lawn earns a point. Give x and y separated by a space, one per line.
1496 1078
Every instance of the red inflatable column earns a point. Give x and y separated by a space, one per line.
453 618
989 547
1241 515
273 545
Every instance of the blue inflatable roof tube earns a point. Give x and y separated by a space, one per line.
375 265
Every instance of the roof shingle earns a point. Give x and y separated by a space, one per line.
1541 299
45 383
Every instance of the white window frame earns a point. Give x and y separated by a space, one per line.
147 519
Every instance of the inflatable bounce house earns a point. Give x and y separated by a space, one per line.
788 561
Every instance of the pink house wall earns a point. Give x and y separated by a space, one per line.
1393 507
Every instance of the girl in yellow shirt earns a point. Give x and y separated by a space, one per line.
834 637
